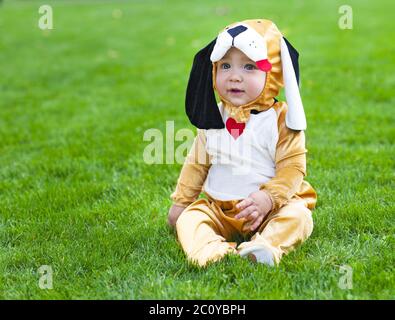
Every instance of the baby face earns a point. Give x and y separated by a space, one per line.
238 79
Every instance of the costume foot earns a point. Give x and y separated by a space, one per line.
258 254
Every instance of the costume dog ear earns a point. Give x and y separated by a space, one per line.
200 103
294 54
295 118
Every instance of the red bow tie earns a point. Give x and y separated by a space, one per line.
235 128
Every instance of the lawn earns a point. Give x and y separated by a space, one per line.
76 194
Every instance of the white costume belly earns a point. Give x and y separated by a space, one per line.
240 166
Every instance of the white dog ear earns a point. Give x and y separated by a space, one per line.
295 118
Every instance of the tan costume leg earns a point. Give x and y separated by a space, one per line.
203 230
206 225
283 230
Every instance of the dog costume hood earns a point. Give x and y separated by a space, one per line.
263 43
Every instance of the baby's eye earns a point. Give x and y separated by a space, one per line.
249 66
225 65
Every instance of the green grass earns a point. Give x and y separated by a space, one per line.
76 194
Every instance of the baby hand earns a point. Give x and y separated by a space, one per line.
255 209
174 212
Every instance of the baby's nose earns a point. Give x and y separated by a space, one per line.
235 76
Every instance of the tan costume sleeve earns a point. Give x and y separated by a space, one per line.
290 162
193 173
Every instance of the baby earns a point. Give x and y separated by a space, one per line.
249 155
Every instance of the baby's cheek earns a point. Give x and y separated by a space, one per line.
257 83
220 87
219 83
255 89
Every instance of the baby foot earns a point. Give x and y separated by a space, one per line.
258 254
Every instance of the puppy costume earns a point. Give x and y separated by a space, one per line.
242 149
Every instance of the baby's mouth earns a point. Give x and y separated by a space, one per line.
236 91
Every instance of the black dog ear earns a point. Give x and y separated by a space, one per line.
200 103
294 58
